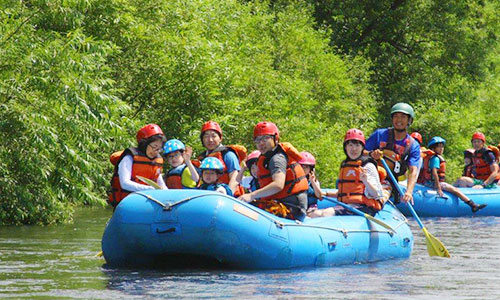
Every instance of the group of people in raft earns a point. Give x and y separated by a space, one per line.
283 180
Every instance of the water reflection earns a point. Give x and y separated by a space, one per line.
59 262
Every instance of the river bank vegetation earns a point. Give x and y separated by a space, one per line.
78 78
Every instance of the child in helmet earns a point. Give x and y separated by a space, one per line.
211 169
144 160
485 171
468 153
308 162
211 138
250 183
359 181
182 173
434 172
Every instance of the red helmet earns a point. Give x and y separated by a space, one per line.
252 158
479 136
148 131
266 128
211 125
355 134
307 159
417 136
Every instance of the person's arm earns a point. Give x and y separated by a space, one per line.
315 185
437 184
371 180
274 187
188 153
412 179
241 173
125 176
161 182
233 167
493 175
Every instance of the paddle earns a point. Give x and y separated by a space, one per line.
149 182
358 212
434 246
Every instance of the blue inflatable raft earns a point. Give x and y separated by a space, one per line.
195 227
429 204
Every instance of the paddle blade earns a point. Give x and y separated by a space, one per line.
149 182
434 246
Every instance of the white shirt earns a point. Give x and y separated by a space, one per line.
125 175
374 179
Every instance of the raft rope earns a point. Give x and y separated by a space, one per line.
278 223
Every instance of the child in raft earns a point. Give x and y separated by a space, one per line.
250 183
434 169
182 174
211 170
308 162
359 181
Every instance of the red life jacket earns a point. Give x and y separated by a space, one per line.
396 155
425 173
295 181
142 166
219 153
467 170
351 188
481 169
173 178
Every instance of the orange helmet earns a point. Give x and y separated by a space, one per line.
211 125
266 128
355 134
479 136
148 131
417 136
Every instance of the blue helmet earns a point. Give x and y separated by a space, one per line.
172 146
212 163
436 140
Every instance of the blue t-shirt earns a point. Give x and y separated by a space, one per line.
382 135
434 162
232 162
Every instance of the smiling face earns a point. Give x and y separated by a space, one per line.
400 121
307 169
154 148
211 139
264 143
175 159
354 149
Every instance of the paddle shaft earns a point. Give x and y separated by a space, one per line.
359 212
400 192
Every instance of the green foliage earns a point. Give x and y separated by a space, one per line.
79 77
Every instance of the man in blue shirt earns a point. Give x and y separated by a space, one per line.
399 149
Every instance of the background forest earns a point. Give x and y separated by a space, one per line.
78 78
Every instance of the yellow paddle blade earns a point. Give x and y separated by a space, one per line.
149 182
371 218
434 246
100 254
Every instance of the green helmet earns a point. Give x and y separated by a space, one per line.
404 108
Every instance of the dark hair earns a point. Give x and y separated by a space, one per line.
143 144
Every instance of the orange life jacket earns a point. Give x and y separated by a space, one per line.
351 188
142 166
173 178
295 181
396 155
219 153
481 169
425 174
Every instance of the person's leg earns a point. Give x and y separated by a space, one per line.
464 182
449 188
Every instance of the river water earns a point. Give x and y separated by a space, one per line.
59 262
